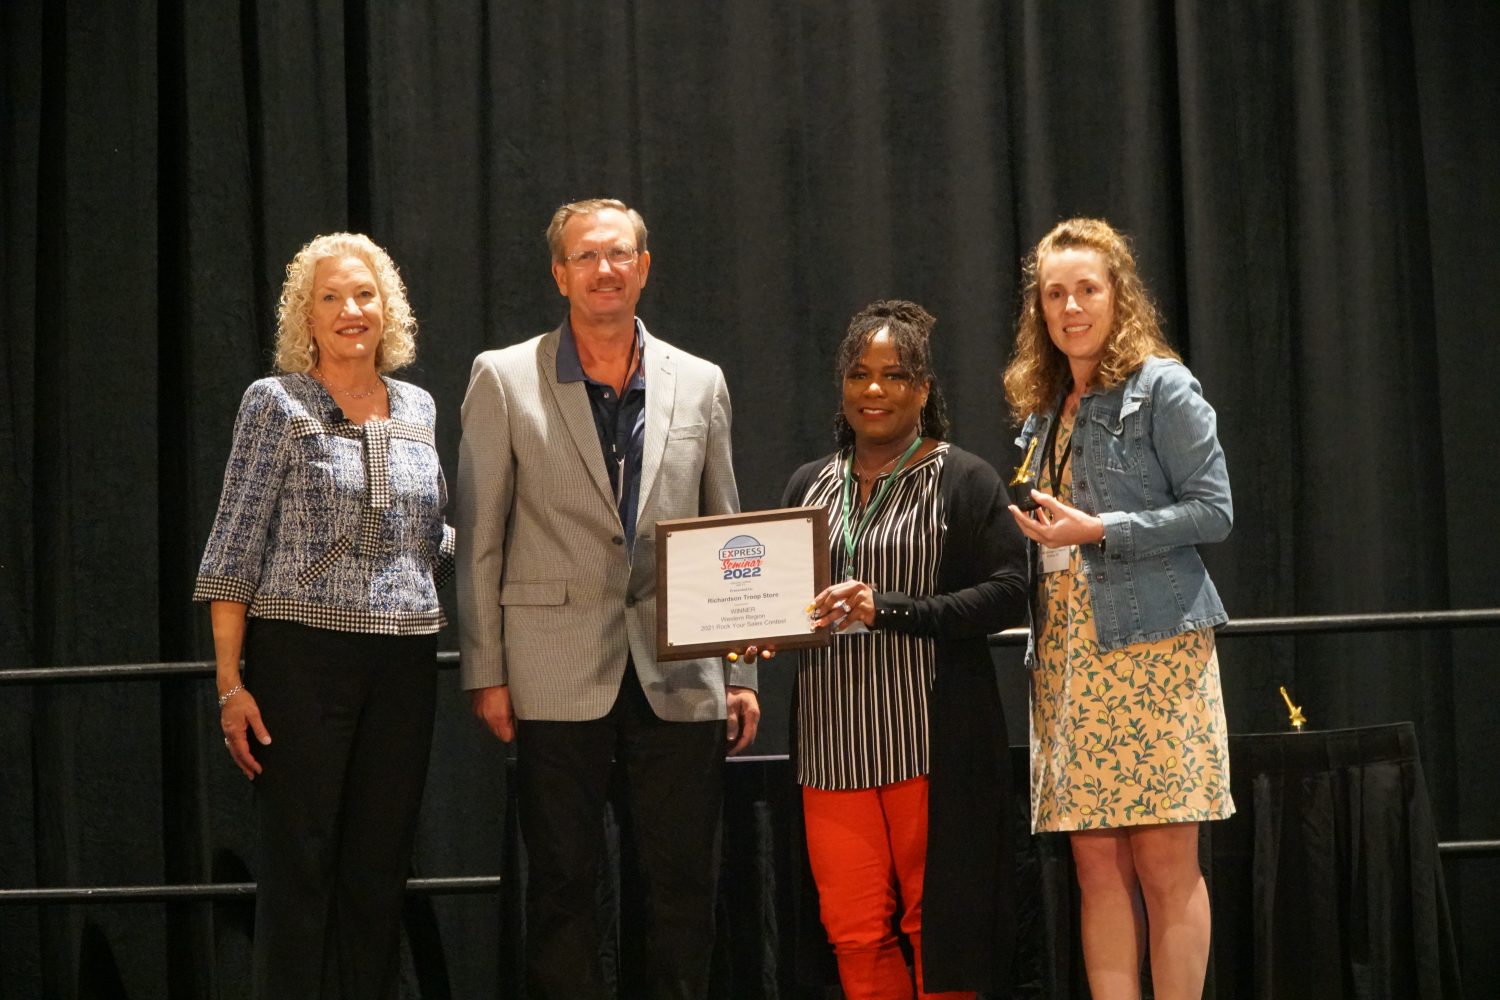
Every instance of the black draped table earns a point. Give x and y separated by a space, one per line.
1327 883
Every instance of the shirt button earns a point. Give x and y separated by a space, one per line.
618 539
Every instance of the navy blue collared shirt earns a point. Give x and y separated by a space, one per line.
620 421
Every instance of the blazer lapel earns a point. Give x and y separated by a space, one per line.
572 400
661 390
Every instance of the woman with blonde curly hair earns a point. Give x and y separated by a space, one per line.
1123 479
322 570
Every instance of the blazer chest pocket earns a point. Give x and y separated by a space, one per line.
534 592
682 458
687 432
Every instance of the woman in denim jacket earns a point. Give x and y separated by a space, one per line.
322 571
1128 738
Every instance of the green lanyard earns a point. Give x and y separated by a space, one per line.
846 501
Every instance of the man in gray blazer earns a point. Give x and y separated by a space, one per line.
575 444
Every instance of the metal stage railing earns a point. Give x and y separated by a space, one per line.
222 891
1407 621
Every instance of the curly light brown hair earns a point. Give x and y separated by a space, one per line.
296 351
1038 372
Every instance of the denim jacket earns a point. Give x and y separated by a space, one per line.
1146 461
329 523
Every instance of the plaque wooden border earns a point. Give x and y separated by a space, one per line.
666 650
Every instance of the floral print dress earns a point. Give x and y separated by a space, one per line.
1128 737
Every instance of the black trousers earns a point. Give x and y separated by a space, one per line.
350 717
673 777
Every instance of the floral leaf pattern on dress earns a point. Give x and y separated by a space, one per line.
1127 737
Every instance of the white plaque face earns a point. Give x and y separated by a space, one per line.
746 579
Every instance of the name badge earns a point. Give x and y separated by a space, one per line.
1056 560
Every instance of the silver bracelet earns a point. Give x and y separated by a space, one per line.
224 698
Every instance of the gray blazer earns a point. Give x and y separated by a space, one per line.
549 600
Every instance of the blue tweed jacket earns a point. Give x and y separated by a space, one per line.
329 523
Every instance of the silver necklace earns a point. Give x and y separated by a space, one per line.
871 475
318 374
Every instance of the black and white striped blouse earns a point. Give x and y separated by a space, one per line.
862 703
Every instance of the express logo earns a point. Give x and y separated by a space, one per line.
741 556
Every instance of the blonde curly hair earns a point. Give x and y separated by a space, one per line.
1038 372
296 351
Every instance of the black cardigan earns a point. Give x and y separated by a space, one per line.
968 924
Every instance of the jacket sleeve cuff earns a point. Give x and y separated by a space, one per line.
895 611
1118 543
742 674
442 565
224 588
479 670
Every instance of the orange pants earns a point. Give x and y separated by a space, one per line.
868 849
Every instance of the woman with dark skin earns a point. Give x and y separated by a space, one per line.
900 740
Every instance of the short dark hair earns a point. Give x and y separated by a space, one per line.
910 327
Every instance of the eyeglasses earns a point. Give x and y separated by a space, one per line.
617 257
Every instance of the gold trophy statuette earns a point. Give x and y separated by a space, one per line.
1022 483
1296 718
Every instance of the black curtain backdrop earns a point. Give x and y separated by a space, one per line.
1310 186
